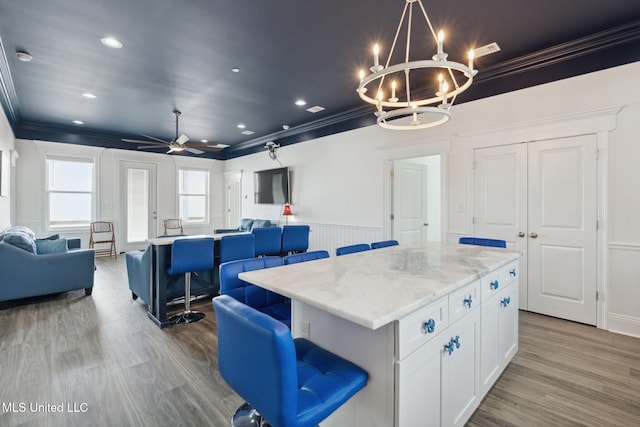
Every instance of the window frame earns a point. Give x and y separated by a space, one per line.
207 194
48 192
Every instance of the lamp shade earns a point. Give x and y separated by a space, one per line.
286 211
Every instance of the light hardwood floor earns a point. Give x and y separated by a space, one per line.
104 355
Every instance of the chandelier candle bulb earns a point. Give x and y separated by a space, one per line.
471 55
376 52
445 89
440 42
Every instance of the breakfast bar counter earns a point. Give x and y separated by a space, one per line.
434 324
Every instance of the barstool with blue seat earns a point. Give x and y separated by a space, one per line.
286 382
351 249
384 244
187 256
305 256
480 241
295 239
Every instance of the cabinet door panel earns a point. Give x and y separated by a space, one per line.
508 324
460 371
418 386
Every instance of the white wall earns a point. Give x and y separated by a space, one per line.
341 180
31 203
7 145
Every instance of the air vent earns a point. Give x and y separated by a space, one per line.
315 109
486 50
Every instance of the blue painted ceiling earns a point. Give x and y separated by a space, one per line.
180 55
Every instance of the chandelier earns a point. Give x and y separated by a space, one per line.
400 111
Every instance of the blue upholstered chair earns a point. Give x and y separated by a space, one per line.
384 244
187 256
295 239
271 303
238 246
286 382
267 240
352 249
306 256
478 241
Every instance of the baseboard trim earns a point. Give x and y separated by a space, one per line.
626 325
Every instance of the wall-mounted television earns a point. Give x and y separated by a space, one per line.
271 186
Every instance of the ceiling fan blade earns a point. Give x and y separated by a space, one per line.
155 139
140 141
153 146
182 139
193 150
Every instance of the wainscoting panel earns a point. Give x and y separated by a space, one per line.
623 296
331 236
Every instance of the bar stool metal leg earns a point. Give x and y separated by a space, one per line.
187 316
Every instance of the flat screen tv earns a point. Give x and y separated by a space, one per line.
271 186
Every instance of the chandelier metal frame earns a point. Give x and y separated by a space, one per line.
460 75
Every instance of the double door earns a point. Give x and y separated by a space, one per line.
541 198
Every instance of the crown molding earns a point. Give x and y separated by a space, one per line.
8 95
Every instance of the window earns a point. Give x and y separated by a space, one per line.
70 192
193 194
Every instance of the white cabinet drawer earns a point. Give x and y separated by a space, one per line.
495 281
421 326
463 301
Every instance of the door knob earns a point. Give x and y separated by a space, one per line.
521 234
533 235
426 224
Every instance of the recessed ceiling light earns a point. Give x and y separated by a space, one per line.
248 132
89 95
78 122
285 127
24 56
241 126
111 42
315 109
235 69
218 145
204 140
301 102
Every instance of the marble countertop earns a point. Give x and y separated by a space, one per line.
376 287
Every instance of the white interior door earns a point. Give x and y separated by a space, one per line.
562 228
139 204
500 200
541 198
233 203
410 220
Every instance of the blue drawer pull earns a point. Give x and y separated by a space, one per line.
449 347
495 284
505 301
456 341
513 272
468 301
429 326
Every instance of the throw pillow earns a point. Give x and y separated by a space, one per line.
48 246
21 239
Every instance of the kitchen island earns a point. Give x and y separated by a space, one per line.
434 324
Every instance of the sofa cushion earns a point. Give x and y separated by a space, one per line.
51 246
260 223
22 238
245 224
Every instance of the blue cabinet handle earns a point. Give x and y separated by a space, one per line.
449 347
495 284
455 341
513 272
429 326
505 301
468 301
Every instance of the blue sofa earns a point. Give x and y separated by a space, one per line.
246 224
28 273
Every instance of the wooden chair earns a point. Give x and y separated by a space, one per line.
101 232
173 224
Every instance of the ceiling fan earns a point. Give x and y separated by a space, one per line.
176 145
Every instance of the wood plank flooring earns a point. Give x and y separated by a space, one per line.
102 355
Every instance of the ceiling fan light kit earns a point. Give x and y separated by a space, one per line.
451 79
